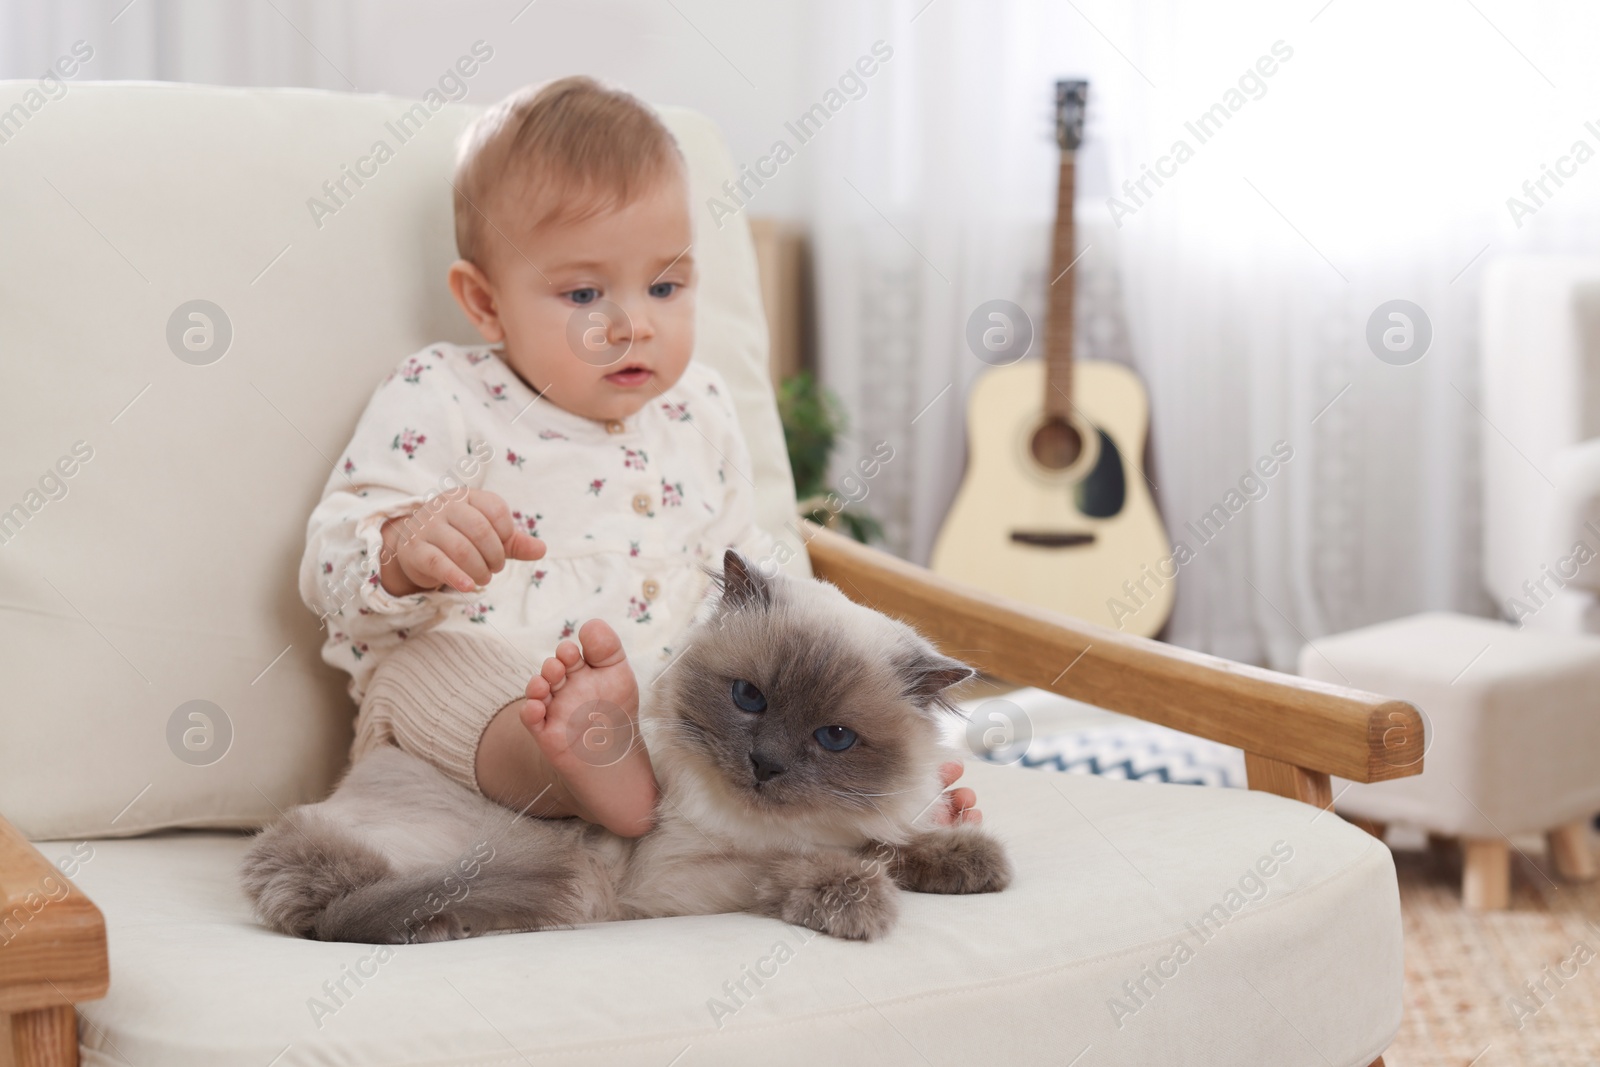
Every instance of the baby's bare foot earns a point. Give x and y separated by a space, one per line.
583 709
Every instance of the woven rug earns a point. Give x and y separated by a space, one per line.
1519 987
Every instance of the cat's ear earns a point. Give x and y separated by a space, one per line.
743 585
926 674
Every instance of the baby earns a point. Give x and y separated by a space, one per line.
578 465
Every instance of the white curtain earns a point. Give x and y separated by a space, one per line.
1373 163
281 42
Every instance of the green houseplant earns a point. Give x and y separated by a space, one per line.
813 420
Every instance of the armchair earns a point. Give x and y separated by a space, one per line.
1146 923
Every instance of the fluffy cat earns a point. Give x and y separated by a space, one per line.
796 743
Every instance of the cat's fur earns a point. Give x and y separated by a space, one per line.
401 853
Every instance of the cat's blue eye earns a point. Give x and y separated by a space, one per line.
747 697
587 295
663 289
835 738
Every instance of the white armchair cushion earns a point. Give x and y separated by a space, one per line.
1110 878
162 570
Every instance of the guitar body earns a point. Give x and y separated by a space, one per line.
1065 539
1055 509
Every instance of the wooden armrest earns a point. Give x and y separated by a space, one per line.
1290 728
52 938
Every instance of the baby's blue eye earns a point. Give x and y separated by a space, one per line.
747 697
835 738
584 296
663 289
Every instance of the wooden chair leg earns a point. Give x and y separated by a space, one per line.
45 1037
1569 848
1486 873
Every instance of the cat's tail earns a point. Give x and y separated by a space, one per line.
308 878
521 884
298 866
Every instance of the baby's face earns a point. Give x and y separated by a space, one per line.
598 315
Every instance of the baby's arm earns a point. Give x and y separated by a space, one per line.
397 519
401 455
460 538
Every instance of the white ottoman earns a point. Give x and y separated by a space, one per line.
1513 737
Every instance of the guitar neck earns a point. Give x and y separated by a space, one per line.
1058 329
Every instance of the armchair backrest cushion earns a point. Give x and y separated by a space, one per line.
160 668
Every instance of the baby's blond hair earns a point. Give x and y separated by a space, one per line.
580 147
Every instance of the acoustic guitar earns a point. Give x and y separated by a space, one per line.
1055 509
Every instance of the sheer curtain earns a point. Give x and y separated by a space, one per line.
1372 163
221 43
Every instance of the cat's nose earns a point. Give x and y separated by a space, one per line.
766 768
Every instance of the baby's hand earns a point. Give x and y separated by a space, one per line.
459 539
957 806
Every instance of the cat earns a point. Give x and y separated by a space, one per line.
796 741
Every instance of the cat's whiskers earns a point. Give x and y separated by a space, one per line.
868 797
683 727
854 797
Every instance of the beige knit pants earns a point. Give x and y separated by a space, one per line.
434 695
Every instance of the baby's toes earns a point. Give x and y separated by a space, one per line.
601 645
536 707
569 654
553 673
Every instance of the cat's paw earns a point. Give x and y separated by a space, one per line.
954 859
838 897
859 907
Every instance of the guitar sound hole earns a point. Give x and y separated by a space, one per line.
1056 445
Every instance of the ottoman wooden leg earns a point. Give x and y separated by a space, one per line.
1569 848
1486 873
